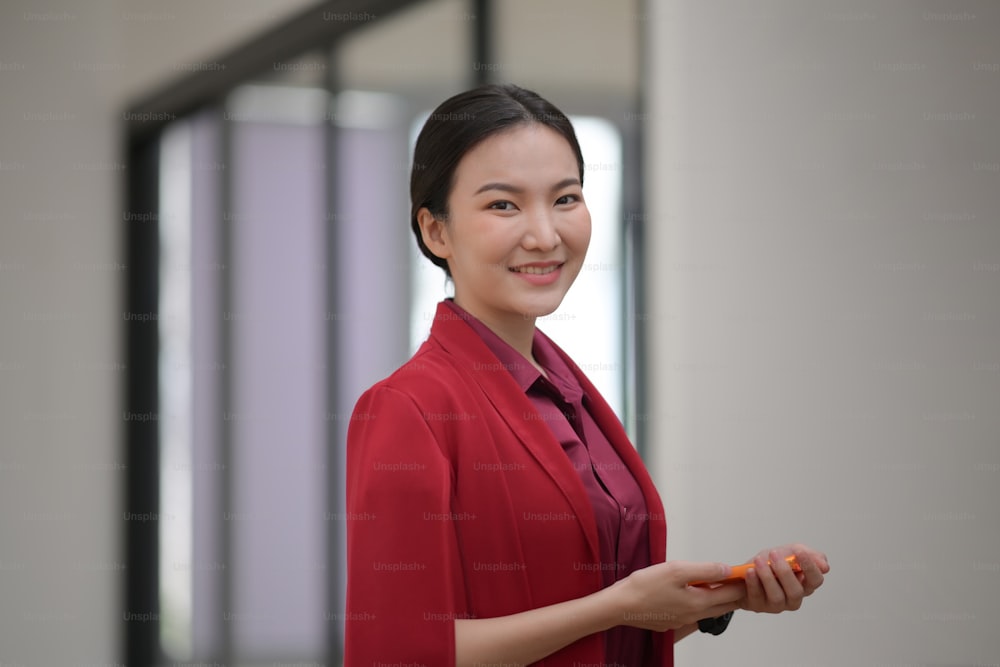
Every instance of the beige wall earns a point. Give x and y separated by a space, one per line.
67 70
825 280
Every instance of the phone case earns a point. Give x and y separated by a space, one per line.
740 573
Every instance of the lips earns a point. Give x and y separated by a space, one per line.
537 269
539 274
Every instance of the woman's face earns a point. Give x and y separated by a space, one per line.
518 228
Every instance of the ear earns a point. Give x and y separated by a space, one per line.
434 233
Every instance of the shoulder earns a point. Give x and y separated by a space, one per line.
430 404
430 377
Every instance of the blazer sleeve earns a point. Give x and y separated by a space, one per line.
404 582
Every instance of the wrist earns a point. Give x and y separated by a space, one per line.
630 604
619 602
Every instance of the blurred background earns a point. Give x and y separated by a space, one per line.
792 300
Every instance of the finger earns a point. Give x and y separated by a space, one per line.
803 553
773 592
725 594
756 598
785 575
812 571
700 573
783 571
821 560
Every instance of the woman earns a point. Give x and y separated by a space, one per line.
499 514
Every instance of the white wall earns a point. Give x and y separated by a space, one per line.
824 189
67 70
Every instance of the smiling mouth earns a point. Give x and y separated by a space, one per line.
536 270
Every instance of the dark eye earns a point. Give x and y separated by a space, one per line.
567 199
503 205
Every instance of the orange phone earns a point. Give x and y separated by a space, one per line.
740 573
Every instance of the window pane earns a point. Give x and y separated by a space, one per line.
278 416
175 391
191 371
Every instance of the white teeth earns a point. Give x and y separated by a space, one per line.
537 270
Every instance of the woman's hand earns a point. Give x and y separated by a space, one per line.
654 598
776 587
659 598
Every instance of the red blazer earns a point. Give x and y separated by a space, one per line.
462 504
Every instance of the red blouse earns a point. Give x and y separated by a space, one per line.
618 502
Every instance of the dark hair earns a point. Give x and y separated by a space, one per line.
456 127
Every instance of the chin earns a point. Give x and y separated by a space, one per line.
536 310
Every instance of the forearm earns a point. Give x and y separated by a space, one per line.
529 636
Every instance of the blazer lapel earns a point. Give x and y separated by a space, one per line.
459 339
609 423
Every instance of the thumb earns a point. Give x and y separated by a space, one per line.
701 573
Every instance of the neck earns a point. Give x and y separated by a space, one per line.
519 333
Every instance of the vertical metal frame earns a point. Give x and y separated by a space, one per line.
334 489
141 606
482 40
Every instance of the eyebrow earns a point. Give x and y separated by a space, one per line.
507 187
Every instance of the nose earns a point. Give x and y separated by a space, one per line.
540 233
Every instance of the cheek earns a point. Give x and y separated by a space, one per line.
582 231
482 247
